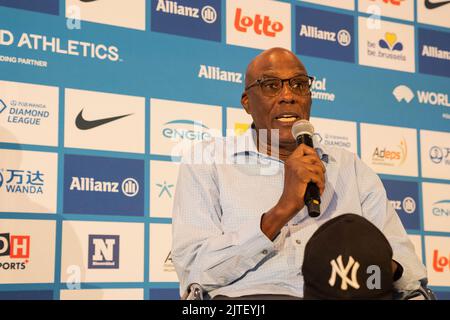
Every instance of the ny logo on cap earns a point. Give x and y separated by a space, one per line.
339 269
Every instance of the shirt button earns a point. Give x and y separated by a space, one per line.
298 241
265 252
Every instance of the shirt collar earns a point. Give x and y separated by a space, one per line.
246 145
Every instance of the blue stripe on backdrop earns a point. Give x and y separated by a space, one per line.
159 65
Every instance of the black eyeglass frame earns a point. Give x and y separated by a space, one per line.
259 81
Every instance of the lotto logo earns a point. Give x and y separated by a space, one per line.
261 25
440 263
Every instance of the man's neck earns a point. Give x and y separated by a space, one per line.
278 150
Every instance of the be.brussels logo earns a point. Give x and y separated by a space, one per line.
106 186
434 52
386 45
259 24
324 34
22 181
403 196
104 252
434 12
14 251
44 6
191 18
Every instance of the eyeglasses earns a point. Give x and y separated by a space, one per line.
272 86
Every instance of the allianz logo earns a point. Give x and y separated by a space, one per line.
343 37
207 13
186 129
407 204
215 73
404 93
129 186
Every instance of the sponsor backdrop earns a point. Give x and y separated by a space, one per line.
96 97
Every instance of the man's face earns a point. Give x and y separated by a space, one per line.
272 112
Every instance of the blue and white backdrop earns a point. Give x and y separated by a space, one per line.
95 94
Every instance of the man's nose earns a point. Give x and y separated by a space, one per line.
286 95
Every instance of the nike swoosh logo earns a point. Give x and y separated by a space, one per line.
434 5
84 124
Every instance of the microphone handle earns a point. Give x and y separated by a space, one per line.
312 194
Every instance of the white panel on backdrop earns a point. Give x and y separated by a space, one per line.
438 260
27 251
102 294
175 125
163 184
434 12
389 150
238 121
400 9
104 121
128 14
336 133
102 252
28 181
435 154
436 206
417 242
260 24
384 44
161 266
343 4
28 113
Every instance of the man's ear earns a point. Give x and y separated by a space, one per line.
244 102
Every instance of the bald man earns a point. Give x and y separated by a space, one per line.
240 224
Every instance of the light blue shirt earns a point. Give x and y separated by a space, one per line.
217 239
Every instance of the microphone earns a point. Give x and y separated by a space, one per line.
303 130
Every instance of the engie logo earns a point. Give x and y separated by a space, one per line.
15 248
404 198
258 24
104 252
97 185
324 34
191 18
436 206
186 129
44 6
434 54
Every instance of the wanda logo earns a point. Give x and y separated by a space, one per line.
262 25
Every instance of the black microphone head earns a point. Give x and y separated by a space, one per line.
302 127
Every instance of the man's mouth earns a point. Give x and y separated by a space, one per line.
287 117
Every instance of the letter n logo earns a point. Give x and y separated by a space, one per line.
339 269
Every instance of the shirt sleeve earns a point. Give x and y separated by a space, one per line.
202 252
377 209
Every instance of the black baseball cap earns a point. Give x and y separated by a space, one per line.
348 258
